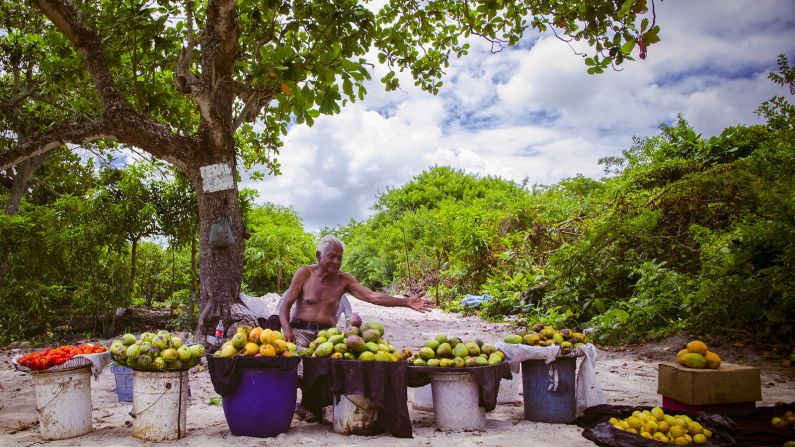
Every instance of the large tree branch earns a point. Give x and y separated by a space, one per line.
55 137
89 46
127 128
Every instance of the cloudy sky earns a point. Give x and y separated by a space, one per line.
533 112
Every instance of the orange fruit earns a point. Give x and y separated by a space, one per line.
697 346
266 337
713 360
254 335
267 351
279 345
680 355
250 348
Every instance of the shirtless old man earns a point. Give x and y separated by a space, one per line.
316 290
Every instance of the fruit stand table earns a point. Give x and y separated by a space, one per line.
383 383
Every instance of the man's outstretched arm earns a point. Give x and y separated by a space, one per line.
416 302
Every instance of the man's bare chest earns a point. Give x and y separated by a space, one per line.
318 293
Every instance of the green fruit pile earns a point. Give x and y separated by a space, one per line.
155 352
365 343
454 353
541 335
656 425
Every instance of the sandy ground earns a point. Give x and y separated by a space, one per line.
627 376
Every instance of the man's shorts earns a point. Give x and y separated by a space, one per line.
303 337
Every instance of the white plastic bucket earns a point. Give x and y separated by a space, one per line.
354 415
423 398
63 401
455 402
160 403
510 390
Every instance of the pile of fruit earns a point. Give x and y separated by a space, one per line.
365 342
257 342
697 355
784 421
541 335
453 352
155 352
655 424
47 358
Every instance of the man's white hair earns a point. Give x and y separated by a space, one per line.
327 240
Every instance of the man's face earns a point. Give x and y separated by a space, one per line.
331 258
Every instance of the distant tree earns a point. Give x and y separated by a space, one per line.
277 248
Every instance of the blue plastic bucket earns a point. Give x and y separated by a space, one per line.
124 382
264 403
544 400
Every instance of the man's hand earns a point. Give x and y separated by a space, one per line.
419 303
288 334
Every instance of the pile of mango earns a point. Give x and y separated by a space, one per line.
543 335
365 342
155 352
697 355
784 421
655 424
257 342
453 352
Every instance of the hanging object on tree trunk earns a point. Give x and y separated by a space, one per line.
221 233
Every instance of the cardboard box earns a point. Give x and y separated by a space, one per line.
727 385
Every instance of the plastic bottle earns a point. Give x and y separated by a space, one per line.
219 330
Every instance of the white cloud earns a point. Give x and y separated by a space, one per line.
534 112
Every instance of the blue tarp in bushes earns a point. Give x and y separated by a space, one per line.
475 300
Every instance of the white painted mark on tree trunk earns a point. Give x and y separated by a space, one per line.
217 177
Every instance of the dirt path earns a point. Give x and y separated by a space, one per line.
626 377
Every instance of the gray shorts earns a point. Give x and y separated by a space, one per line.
303 337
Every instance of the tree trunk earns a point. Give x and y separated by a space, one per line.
193 282
221 266
279 281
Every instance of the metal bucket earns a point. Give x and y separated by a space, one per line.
456 402
63 401
160 403
549 390
354 415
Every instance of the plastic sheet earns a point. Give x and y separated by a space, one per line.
383 383
755 429
488 378
601 432
225 371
